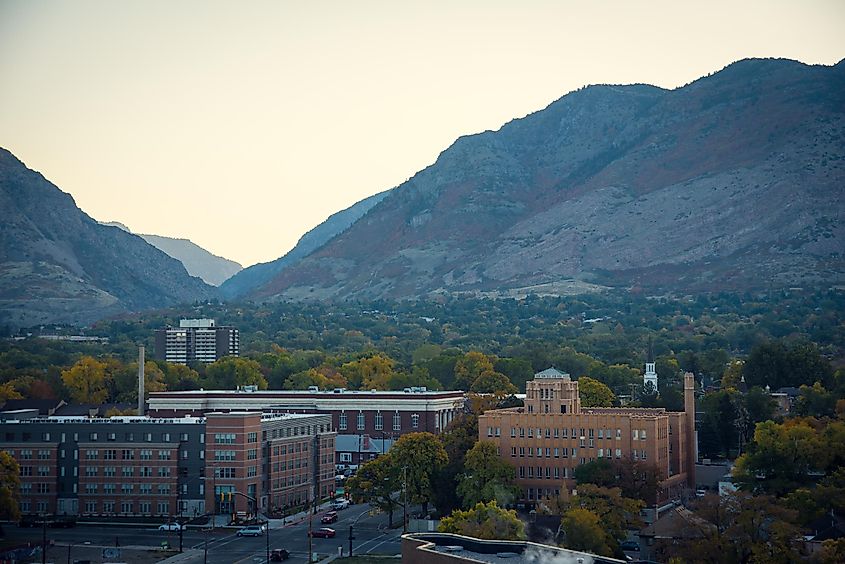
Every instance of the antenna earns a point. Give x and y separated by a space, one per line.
140 379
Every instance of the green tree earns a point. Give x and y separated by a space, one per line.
370 373
230 372
487 477
377 483
493 383
583 531
418 376
484 521
86 381
324 377
616 513
10 486
594 393
816 401
469 367
421 456
600 472
458 438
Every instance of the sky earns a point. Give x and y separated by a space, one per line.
243 124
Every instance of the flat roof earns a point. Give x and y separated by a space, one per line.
323 394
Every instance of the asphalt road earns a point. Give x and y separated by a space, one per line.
372 536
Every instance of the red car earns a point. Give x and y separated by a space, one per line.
329 517
324 532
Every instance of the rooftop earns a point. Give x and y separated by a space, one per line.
552 373
469 549
251 390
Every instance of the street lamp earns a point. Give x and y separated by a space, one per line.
266 519
405 505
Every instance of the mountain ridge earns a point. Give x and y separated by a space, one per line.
736 144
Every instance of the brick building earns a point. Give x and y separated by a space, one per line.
164 467
375 418
552 434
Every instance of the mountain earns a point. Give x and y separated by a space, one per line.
255 276
733 182
58 265
198 262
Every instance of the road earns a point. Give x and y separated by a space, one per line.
372 536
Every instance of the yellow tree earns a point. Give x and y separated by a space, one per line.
469 367
86 381
484 521
10 485
583 531
594 393
374 372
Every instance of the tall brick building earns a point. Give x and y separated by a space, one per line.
148 467
552 434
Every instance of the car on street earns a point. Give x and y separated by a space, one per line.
279 554
329 517
251 531
324 532
171 527
631 545
339 504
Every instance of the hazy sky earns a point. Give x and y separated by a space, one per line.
242 124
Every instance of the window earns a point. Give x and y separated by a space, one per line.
498 431
360 421
146 471
163 508
642 435
108 507
130 437
109 489
341 422
92 436
90 507
144 507
513 432
164 489
252 437
415 421
126 471
224 438
489 431
90 489
183 437
346 457
513 451
521 432
91 454
164 455
165 437
110 454
397 422
148 437
112 437
43 454
530 432
252 471
163 472
26 470
126 507
128 454
90 470
44 488
252 454
379 421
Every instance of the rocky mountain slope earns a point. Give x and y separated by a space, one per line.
257 275
59 265
198 261
733 182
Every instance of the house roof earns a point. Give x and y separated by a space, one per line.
44 406
678 522
551 373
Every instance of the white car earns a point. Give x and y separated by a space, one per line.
251 531
171 527
339 504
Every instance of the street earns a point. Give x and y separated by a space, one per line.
224 547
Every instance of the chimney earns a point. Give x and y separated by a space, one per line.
691 451
141 380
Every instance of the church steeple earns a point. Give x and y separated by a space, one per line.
650 375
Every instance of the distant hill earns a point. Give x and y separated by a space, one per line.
57 264
198 262
734 182
253 277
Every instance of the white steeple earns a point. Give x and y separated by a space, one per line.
650 373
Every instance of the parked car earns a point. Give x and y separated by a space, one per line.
629 545
251 531
279 554
324 533
339 504
329 517
171 527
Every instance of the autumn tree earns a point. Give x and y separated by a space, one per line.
486 477
324 377
370 373
377 483
86 381
231 371
458 438
10 485
583 531
421 456
470 367
484 521
594 393
615 512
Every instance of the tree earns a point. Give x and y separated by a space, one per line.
616 513
777 364
493 383
86 381
422 456
324 377
10 486
418 376
469 367
371 373
816 401
8 391
458 438
600 472
377 482
487 477
231 372
484 521
582 531
782 457
594 393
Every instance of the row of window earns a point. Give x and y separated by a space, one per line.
572 452
26 454
126 489
285 449
360 422
127 454
126 507
95 436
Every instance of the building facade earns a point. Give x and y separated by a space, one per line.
196 340
552 435
166 467
372 417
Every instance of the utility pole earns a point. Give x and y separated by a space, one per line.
310 538
405 505
350 540
267 534
43 539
